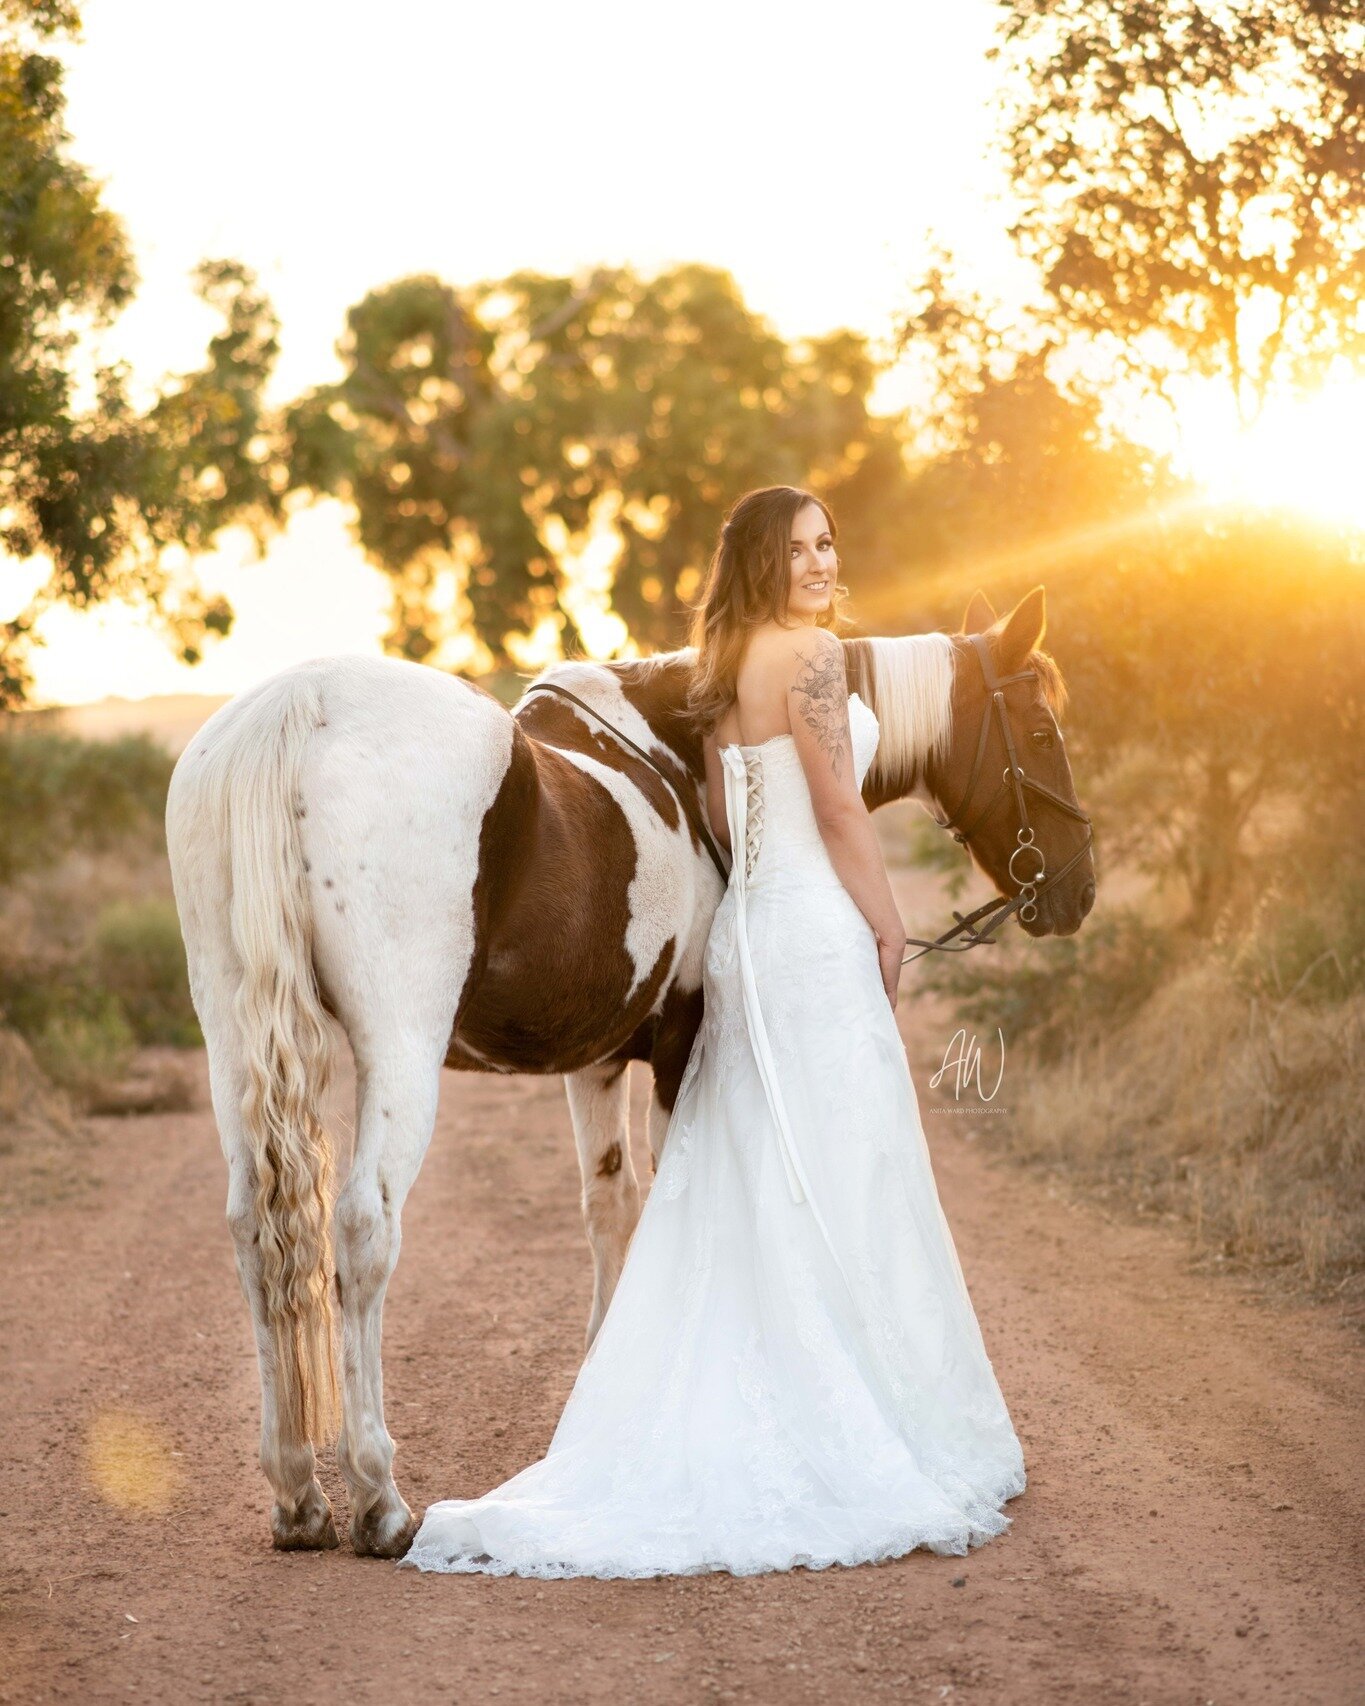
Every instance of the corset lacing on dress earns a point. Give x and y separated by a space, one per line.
753 813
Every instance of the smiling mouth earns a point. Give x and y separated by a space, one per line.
816 586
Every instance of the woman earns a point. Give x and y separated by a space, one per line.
790 1371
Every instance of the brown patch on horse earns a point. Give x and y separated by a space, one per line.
675 1030
554 846
610 1162
559 723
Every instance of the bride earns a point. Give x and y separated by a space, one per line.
790 1371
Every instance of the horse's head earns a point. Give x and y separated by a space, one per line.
1005 782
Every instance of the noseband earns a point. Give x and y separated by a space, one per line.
1031 884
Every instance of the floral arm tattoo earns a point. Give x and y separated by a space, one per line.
822 699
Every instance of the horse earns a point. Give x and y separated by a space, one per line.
374 847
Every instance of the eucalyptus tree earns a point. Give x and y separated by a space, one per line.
94 487
476 430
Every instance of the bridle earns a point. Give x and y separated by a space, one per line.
978 934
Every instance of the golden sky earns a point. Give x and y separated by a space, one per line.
808 149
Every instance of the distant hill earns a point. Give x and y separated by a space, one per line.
170 718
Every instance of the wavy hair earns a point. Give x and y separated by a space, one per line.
748 583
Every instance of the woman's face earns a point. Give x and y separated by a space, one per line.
813 564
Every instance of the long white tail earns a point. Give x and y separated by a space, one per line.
287 1044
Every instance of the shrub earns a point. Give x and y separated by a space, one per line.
1053 992
60 791
1309 942
86 1052
138 957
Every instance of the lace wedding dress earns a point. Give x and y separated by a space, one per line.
791 1371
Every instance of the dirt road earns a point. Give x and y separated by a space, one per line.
1193 1529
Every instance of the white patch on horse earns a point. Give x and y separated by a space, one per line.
661 897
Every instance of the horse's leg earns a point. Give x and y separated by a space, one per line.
673 1047
396 1094
599 1104
658 1117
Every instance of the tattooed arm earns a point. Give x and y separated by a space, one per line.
818 698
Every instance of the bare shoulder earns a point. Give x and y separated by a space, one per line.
814 664
781 655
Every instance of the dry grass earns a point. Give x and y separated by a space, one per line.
1242 1118
42 1142
156 1081
45 1141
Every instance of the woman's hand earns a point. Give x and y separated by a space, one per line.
890 952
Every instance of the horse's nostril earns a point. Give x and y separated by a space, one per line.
1087 898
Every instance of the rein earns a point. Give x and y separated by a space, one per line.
978 934
694 823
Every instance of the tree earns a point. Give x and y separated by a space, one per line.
98 487
1212 659
404 439
476 431
1192 181
1189 179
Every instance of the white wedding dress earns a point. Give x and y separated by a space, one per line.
791 1371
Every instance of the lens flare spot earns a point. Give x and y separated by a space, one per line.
130 1462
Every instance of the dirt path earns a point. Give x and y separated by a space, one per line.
1193 1529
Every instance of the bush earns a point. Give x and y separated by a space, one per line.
61 791
1053 992
1242 1118
138 957
1309 943
1215 1081
86 1052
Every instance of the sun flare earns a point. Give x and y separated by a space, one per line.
1305 454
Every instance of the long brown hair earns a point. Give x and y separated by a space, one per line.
748 583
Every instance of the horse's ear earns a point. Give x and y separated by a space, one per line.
1022 630
979 614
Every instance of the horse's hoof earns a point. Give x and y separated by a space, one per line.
310 1529
383 1532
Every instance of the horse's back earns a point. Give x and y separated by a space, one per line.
389 790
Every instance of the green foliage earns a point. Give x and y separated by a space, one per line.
61 791
468 421
85 1009
85 1049
104 490
1306 940
1192 180
1212 658
138 957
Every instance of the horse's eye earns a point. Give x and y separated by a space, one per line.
1041 737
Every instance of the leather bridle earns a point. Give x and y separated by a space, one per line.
1031 886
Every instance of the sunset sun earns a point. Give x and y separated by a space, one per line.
1305 454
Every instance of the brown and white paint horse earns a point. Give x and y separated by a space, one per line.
377 845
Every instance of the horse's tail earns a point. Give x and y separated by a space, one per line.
287 1044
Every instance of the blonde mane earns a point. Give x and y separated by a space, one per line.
908 681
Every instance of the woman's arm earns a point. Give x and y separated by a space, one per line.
818 698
